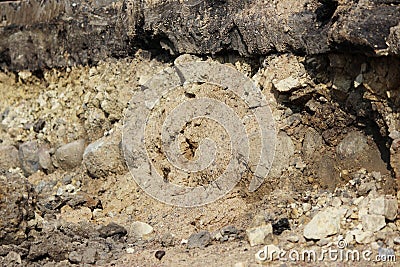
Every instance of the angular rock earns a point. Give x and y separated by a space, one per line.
288 84
89 255
45 162
395 156
70 155
363 237
17 206
53 245
384 205
352 145
29 157
373 223
325 223
258 235
229 230
199 240
13 258
75 257
284 151
112 229
168 240
8 157
312 143
34 156
280 226
355 25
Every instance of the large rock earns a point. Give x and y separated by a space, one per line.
372 222
29 157
199 240
283 153
324 223
104 157
312 143
17 200
356 151
70 155
34 156
384 205
89 31
259 235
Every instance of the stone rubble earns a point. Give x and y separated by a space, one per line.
67 198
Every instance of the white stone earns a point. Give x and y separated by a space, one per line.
362 237
375 245
336 202
391 208
257 235
377 206
325 223
70 188
306 207
141 230
130 250
358 81
287 84
363 207
373 222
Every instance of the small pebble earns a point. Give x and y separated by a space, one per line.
130 250
159 254
60 191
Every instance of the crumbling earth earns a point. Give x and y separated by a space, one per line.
67 198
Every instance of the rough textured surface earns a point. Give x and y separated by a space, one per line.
324 223
8 157
70 155
345 102
17 200
104 156
85 32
